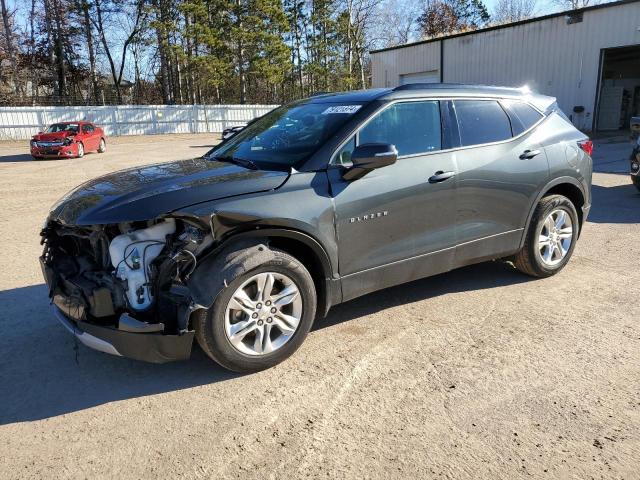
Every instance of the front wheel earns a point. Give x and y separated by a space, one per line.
103 146
551 237
80 150
261 317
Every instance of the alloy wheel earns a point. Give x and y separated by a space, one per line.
263 313
556 235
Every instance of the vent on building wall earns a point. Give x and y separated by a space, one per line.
575 17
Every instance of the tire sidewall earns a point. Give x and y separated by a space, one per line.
80 150
102 146
214 324
557 202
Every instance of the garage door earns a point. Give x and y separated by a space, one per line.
420 77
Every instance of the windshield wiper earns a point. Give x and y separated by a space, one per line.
243 162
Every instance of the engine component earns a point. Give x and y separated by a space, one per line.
132 253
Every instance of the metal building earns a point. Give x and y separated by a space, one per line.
589 59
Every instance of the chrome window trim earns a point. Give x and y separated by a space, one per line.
332 162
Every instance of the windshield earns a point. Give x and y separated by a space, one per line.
63 127
286 135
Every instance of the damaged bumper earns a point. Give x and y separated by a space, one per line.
127 337
65 151
124 293
148 347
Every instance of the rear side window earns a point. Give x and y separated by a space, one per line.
481 121
413 127
522 115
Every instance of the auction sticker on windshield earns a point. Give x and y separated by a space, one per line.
342 109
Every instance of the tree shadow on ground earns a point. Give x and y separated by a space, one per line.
475 277
20 157
44 374
615 204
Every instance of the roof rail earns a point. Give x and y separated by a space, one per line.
420 86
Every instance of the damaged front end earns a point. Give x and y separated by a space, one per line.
121 288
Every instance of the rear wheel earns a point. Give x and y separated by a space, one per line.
550 239
103 146
80 150
261 317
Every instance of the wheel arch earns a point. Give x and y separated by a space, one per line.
566 186
301 246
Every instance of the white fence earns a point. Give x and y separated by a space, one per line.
23 122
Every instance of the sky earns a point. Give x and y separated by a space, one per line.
543 7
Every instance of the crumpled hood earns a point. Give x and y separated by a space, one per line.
51 137
143 193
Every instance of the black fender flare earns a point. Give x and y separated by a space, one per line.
553 183
215 271
259 232
246 250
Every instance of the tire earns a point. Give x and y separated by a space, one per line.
636 181
80 150
211 325
529 259
102 146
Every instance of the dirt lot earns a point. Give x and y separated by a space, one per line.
479 373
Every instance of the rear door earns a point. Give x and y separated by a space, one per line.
501 167
393 225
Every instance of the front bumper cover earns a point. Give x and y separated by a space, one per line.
64 151
148 347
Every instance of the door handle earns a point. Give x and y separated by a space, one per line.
529 154
441 176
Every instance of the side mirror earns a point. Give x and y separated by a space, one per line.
370 156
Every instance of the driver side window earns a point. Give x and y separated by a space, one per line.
413 127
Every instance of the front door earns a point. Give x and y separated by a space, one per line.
397 223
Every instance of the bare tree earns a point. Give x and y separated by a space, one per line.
32 53
574 4
83 8
9 45
506 11
396 24
441 17
57 10
99 21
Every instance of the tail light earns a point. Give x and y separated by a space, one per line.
586 146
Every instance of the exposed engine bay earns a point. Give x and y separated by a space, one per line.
129 276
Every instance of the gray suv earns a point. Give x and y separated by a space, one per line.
315 203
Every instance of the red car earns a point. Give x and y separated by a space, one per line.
68 140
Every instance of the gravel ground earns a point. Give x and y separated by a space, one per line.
478 373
